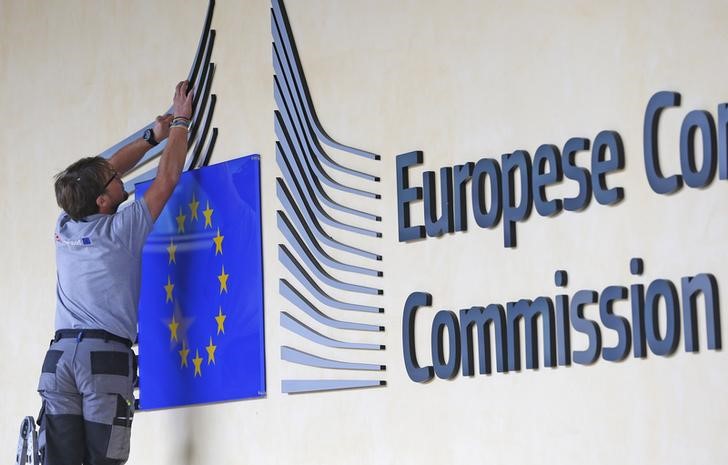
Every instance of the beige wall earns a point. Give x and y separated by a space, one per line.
458 80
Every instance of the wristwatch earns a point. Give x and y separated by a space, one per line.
149 137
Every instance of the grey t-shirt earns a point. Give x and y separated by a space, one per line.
98 261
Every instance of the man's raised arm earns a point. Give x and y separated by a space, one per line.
129 155
173 157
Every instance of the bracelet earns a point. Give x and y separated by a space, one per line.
180 121
180 124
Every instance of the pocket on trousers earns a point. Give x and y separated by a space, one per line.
111 372
119 443
121 430
47 381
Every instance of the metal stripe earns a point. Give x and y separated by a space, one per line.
130 186
285 257
296 298
295 326
204 84
288 172
157 151
292 53
314 245
282 68
192 77
203 41
203 136
210 148
205 68
294 386
304 123
292 355
200 109
286 198
293 177
311 161
315 267
284 138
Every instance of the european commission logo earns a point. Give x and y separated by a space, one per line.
332 283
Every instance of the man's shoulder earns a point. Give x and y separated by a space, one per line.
138 209
132 224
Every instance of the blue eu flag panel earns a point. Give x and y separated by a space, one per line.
201 305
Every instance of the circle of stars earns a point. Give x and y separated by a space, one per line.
174 325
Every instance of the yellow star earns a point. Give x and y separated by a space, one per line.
222 277
171 250
183 354
173 329
208 215
218 242
181 221
211 352
193 207
220 318
197 361
168 287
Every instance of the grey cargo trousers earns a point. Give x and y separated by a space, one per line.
87 387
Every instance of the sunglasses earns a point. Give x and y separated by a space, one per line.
114 175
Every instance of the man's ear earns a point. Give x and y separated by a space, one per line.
101 202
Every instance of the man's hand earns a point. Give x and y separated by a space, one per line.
182 101
128 156
161 127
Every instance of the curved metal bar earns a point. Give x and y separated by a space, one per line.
286 198
289 47
313 179
314 245
210 148
289 354
203 76
295 103
130 186
301 386
203 42
294 123
149 156
192 76
296 298
292 265
295 326
200 109
292 175
315 267
203 136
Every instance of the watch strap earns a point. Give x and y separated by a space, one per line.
149 137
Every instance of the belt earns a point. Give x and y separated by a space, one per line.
80 334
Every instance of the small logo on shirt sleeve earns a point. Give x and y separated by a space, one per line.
83 241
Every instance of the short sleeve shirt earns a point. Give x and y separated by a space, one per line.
98 261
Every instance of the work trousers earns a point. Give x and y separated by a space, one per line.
87 387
